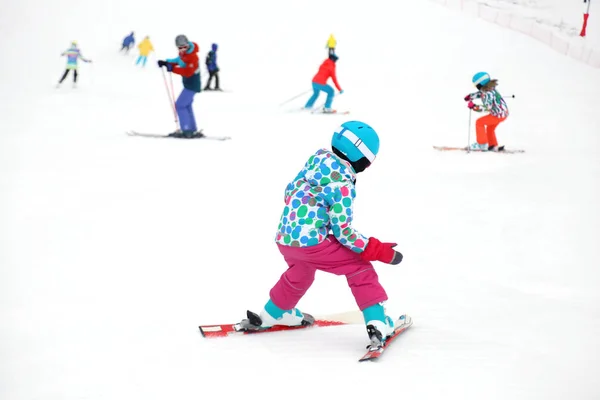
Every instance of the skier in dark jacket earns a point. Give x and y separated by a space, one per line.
128 43
213 68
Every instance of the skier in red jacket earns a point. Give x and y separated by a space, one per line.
187 65
319 83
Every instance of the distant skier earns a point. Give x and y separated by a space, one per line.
315 233
73 55
187 65
145 47
319 84
213 68
331 43
128 43
493 103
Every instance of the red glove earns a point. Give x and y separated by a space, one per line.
474 106
468 97
384 252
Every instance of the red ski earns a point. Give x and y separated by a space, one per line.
225 330
374 352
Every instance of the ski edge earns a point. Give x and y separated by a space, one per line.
226 330
336 112
373 355
454 148
163 136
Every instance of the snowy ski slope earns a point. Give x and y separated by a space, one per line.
113 249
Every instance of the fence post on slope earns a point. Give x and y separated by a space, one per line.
586 15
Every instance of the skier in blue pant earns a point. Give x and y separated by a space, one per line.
188 66
319 84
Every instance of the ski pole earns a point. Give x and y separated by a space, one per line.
173 100
469 132
294 98
172 103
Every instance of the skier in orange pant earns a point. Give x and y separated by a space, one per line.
493 103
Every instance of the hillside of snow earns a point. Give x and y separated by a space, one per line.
113 249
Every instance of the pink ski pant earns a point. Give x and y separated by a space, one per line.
329 256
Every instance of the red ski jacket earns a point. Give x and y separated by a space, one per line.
326 71
187 63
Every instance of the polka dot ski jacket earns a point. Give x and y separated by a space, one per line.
319 201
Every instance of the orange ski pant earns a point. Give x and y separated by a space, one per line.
486 129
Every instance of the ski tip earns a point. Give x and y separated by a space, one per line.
201 331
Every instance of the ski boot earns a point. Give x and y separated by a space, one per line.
186 134
379 325
271 315
327 110
479 147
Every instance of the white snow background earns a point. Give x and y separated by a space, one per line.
113 249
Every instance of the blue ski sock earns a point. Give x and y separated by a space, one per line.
374 312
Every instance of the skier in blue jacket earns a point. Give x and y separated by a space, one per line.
128 43
213 68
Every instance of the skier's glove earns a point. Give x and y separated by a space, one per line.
474 107
468 97
162 63
169 67
384 252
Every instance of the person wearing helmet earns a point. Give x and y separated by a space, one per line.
315 232
319 84
212 67
492 102
187 65
73 55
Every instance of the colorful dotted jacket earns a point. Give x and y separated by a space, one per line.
318 201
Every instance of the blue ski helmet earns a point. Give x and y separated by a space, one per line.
480 79
356 140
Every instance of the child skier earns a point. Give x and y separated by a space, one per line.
145 48
319 84
73 54
493 103
213 68
331 43
319 200
128 43
187 65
